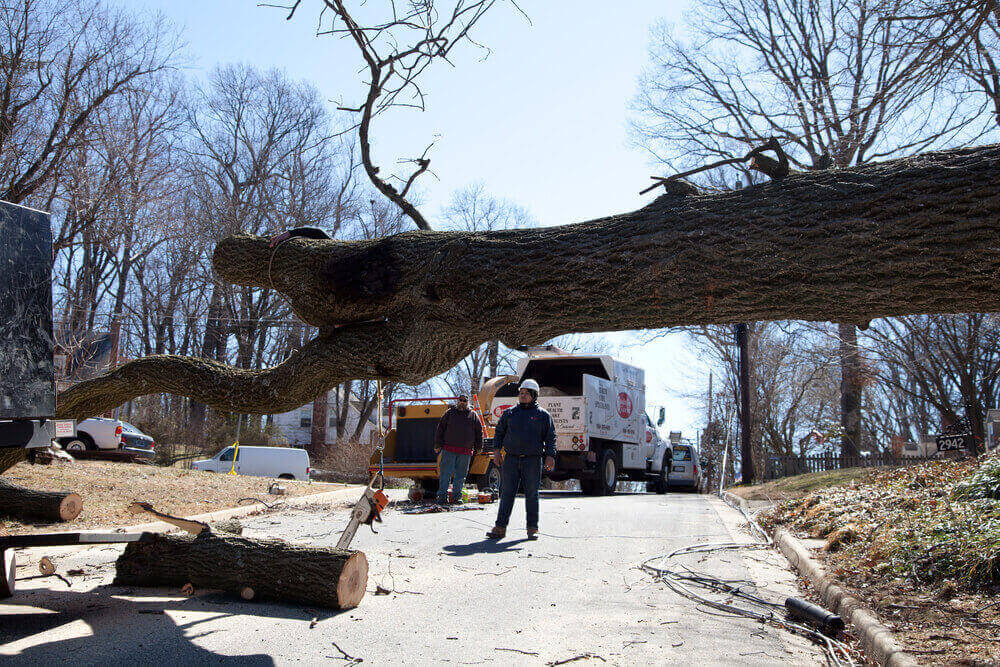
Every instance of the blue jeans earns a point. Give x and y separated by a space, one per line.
517 471
453 467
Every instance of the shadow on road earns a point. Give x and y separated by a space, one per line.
483 547
131 630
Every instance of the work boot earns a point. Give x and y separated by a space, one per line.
496 533
458 501
532 533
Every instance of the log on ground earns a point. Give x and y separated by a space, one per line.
275 570
22 503
10 457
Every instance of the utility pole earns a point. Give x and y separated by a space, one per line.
746 455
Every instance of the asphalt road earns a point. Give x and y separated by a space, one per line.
455 597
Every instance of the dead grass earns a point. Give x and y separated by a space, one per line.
109 488
800 485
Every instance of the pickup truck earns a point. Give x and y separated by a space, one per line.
109 434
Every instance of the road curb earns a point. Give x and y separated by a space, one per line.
734 499
876 638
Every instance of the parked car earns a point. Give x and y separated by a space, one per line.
685 471
280 462
109 434
137 442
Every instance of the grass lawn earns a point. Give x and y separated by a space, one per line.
109 488
800 485
919 544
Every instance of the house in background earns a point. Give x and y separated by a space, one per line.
296 426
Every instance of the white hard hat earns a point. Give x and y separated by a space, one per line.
529 384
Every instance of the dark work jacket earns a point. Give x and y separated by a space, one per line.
459 431
526 430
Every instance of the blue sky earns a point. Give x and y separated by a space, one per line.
542 121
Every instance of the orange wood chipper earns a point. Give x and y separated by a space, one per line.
409 443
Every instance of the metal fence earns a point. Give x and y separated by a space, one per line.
786 466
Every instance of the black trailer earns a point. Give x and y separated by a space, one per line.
27 377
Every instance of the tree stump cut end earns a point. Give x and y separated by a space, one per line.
70 507
353 581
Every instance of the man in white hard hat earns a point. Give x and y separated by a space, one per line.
526 433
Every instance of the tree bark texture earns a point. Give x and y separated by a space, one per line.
275 570
10 457
21 503
914 235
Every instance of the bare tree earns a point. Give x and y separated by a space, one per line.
835 83
938 365
792 379
61 62
397 48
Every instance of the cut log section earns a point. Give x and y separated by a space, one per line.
19 503
274 570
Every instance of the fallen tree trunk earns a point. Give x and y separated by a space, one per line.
21 503
272 569
914 235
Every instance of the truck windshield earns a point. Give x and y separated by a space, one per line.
682 453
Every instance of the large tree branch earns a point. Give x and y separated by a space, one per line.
915 235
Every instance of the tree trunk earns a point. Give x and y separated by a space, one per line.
10 457
915 235
275 570
22 503
493 350
850 391
208 348
317 431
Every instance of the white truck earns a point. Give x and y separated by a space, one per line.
598 404
100 433
280 462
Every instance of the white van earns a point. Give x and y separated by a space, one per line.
280 462
685 470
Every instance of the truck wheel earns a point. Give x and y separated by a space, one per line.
286 476
607 472
661 477
490 480
78 444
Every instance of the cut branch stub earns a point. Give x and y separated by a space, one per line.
914 235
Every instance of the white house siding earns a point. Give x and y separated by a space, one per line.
290 424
